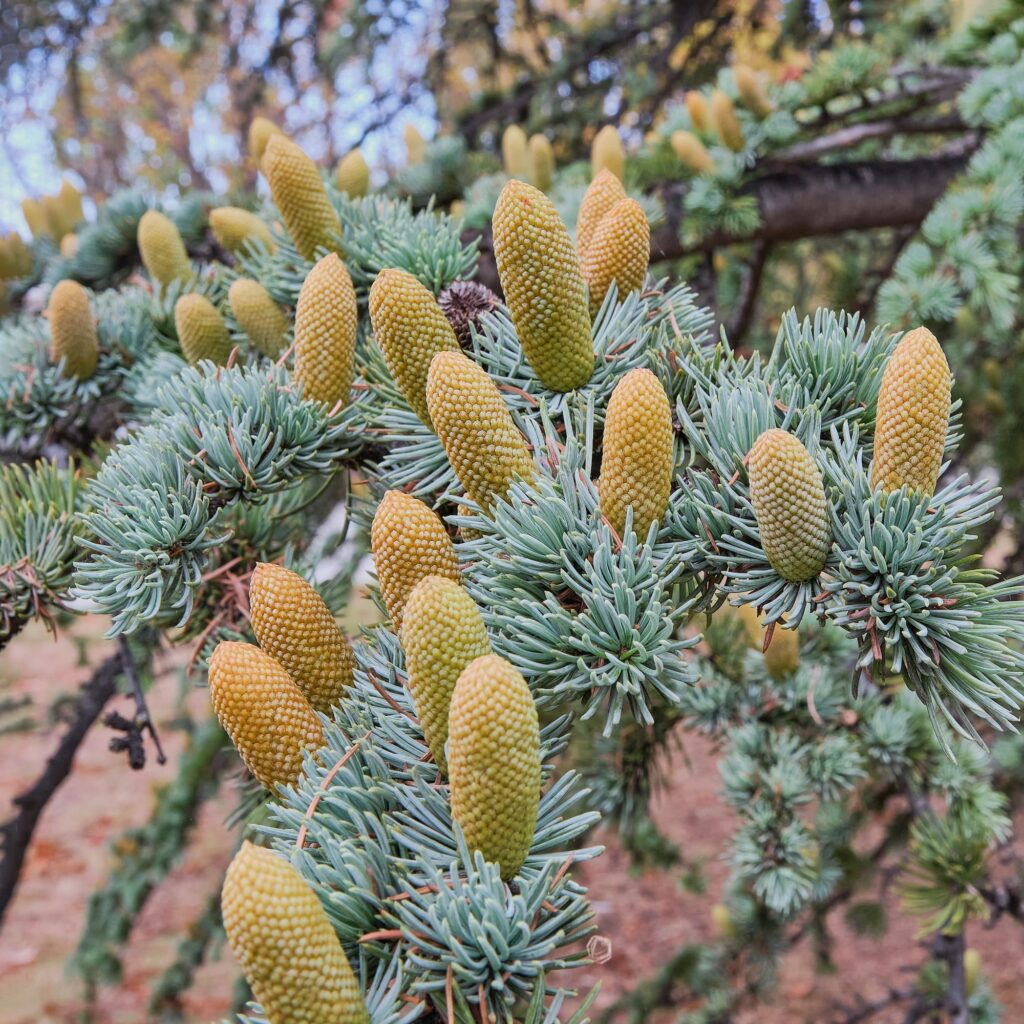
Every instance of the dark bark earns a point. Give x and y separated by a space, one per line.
806 202
16 834
802 202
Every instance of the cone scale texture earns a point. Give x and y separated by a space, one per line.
233 227
636 466
293 625
285 943
161 248
442 632
913 416
258 315
494 761
409 542
300 196
410 329
484 446
325 333
601 195
202 332
268 718
544 289
72 330
619 251
789 504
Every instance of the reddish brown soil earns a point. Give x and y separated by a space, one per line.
646 917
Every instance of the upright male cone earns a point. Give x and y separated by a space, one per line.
442 632
285 944
161 248
700 115
544 289
515 152
494 761
409 542
233 226
267 716
72 331
913 416
692 152
202 332
788 496
725 121
325 333
601 195
636 465
258 315
300 196
293 625
261 130
410 329
352 175
619 252
542 162
607 151
484 446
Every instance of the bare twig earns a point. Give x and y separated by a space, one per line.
142 721
748 293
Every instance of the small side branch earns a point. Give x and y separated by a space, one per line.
17 833
748 293
134 728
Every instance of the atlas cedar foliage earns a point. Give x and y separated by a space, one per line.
422 792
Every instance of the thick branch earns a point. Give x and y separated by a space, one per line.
801 202
16 834
818 200
855 134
